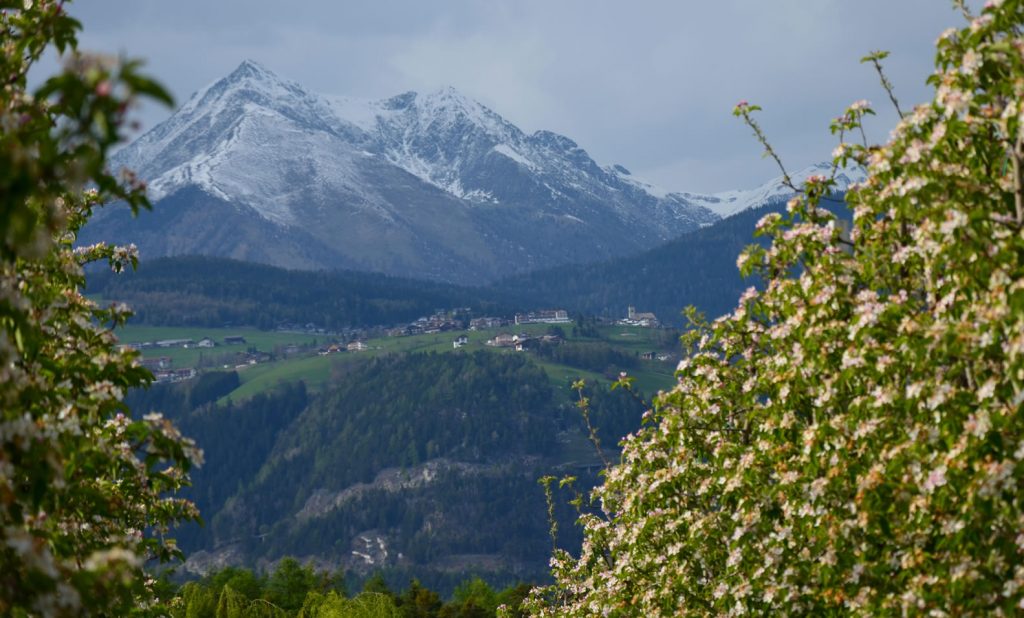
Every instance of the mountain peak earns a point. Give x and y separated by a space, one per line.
447 97
448 108
250 80
253 69
400 101
252 74
450 93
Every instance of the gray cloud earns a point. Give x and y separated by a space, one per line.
649 84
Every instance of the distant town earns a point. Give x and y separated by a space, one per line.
355 340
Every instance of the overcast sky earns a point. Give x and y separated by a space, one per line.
647 84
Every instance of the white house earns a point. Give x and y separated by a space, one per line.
503 340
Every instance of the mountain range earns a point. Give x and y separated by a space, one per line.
436 186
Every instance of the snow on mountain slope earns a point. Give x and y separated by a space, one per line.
427 135
451 141
731 202
424 184
248 138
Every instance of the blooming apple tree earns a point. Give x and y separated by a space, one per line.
85 490
850 440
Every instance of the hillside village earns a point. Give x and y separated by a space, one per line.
167 360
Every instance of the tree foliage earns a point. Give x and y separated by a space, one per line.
850 438
83 487
292 589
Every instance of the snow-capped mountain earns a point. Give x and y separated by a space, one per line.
429 185
731 202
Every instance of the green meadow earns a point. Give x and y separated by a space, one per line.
650 376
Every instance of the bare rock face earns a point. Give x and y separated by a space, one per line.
392 480
205 561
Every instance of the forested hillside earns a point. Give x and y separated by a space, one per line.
698 268
206 291
420 464
230 462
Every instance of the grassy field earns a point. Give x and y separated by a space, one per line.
654 376
314 370
651 376
632 338
264 341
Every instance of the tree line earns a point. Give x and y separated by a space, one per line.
213 292
292 589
